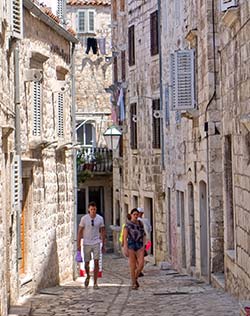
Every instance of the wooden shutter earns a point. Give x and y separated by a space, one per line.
154 33
122 5
60 122
133 126
123 64
114 10
36 108
81 21
17 18
131 44
225 4
91 22
115 70
156 137
182 73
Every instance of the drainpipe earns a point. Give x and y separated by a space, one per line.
74 155
17 147
161 85
206 128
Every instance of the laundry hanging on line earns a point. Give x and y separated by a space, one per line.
102 45
92 44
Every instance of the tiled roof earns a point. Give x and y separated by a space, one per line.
35 7
89 2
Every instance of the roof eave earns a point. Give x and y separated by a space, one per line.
28 4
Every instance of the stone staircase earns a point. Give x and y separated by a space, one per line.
17 310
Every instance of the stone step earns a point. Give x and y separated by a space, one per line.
218 280
17 310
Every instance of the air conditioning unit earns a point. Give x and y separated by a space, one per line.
34 75
60 87
157 114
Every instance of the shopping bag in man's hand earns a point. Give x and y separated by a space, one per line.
78 256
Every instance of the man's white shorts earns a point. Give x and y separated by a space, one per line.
88 249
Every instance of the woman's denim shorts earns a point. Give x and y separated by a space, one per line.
134 245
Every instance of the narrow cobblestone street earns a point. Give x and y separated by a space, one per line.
161 292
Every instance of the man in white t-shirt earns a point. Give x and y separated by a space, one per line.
92 230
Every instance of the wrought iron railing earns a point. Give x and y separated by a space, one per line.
95 159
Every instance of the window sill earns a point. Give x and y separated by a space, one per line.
25 279
132 67
230 16
157 150
86 33
155 57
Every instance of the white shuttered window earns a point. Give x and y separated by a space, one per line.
60 128
182 76
60 10
225 4
16 182
86 21
17 18
36 108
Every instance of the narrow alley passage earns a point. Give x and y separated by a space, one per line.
161 292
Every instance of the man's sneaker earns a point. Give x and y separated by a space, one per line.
86 283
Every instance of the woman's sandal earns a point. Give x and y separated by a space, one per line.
86 283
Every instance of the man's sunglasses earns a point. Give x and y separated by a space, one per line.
92 222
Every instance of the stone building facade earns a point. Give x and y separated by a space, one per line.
138 174
200 75
37 162
7 147
93 74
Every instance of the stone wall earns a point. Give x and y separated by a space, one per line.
140 182
93 72
8 254
47 168
234 62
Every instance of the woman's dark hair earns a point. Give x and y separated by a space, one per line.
133 211
129 217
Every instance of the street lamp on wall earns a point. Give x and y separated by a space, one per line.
112 137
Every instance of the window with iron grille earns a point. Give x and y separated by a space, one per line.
156 137
133 126
123 65
36 108
115 70
60 113
17 18
182 77
86 21
131 45
154 33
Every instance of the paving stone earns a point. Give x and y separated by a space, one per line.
159 294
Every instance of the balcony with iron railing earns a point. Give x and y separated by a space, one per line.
93 160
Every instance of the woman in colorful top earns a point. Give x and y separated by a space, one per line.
134 246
